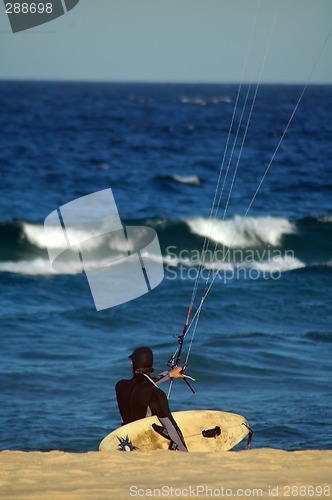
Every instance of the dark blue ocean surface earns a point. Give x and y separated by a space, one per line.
263 344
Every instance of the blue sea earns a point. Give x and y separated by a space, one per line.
263 343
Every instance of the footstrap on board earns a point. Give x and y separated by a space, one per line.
164 433
212 433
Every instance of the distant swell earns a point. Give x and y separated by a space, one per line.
203 101
264 243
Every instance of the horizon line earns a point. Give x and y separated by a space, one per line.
160 82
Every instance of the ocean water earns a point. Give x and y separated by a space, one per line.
262 347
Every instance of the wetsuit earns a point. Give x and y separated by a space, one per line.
140 397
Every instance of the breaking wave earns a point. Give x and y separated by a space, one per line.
193 180
264 243
243 232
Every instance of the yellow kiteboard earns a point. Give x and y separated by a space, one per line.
203 430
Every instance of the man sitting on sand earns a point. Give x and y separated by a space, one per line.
141 397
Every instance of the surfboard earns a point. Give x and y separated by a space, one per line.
203 430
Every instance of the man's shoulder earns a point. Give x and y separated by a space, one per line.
122 384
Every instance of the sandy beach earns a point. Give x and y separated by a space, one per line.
257 473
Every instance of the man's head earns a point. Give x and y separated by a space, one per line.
142 360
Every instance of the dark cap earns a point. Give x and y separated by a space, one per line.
142 357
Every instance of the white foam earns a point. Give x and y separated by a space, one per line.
53 240
37 267
243 232
277 264
325 218
32 267
43 266
36 235
186 179
203 102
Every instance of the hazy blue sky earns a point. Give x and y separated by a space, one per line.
174 40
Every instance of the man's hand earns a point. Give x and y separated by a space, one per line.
176 372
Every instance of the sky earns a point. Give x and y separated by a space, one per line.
217 41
